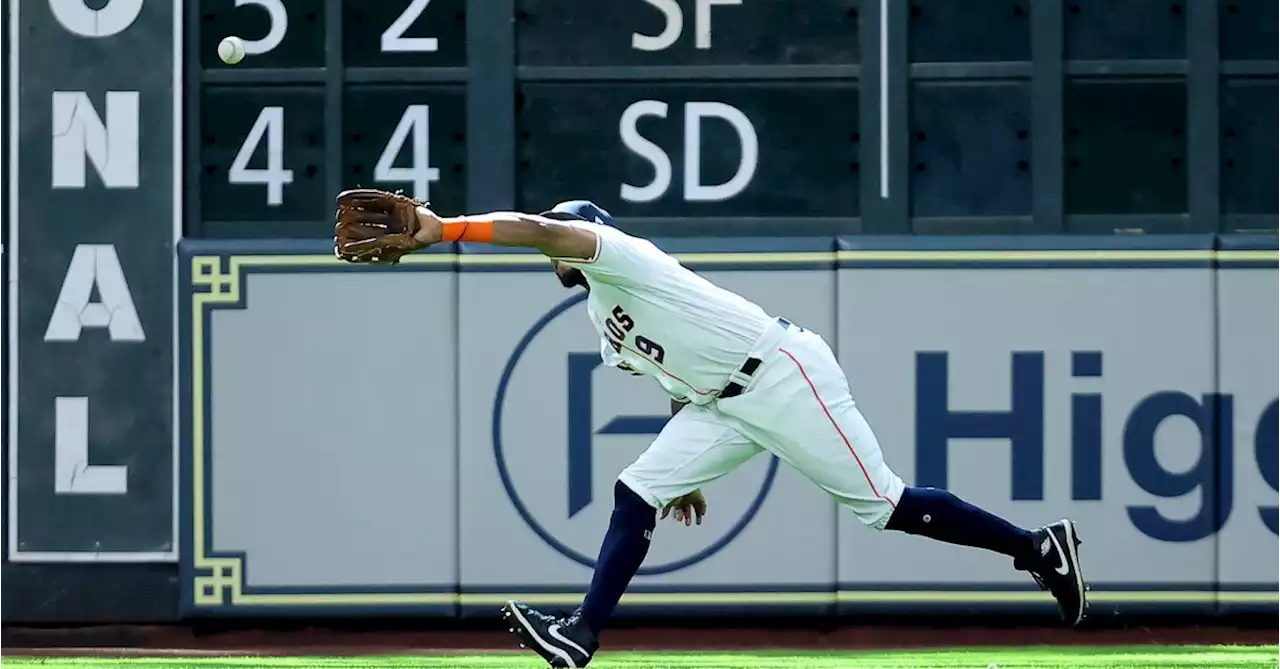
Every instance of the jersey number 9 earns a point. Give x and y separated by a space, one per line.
621 324
650 348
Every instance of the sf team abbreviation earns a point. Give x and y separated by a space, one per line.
674 27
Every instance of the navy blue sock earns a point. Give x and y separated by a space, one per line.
621 552
940 515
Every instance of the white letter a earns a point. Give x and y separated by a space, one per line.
94 264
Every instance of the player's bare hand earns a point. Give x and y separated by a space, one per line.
430 227
688 508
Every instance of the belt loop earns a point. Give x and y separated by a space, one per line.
742 375
786 324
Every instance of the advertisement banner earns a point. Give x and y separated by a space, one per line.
1128 388
1071 383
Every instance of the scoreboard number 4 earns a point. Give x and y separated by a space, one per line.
275 175
412 130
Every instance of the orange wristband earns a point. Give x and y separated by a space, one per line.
467 231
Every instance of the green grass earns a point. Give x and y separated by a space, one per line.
1086 657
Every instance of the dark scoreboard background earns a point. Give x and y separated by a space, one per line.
767 92
718 117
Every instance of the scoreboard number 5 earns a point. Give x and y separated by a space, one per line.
279 20
393 39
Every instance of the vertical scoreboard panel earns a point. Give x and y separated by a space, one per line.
404 33
262 155
276 33
95 181
410 138
692 149
687 32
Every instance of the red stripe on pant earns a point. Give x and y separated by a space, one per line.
836 425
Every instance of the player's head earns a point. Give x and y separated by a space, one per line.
576 210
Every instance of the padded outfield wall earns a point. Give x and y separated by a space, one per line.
1129 385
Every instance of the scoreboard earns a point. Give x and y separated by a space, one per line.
304 114
670 112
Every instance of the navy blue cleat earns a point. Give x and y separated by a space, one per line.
1056 567
562 642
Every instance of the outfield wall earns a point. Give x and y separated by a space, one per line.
434 438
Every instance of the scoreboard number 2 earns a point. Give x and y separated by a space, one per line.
275 175
393 39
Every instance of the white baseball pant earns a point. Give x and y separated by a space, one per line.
796 406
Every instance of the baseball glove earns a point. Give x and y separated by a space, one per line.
375 226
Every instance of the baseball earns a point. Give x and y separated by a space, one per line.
231 50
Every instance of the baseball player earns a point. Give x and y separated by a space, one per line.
741 381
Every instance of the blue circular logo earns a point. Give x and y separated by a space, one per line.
585 560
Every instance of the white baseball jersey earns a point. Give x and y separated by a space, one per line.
658 318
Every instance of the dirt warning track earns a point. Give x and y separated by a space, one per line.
120 641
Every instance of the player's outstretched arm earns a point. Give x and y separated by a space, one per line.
552 238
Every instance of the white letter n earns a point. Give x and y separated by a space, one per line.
78 132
